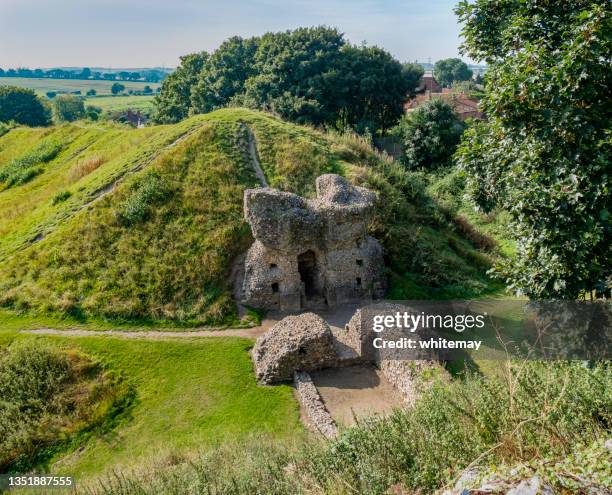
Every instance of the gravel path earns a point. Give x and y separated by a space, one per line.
152 334
336 318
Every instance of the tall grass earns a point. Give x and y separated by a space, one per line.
85 167
148 190
535 410
45 394
29 165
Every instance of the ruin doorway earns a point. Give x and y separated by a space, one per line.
307 267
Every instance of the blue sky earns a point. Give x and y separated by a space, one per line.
138 33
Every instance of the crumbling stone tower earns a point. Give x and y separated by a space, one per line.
311 253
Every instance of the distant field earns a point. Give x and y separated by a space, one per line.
42 86
119 103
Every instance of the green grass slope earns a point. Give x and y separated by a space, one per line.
180 395
141 224
91 157
189 394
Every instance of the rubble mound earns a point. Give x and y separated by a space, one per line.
296 343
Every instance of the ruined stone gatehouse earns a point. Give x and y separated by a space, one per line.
311 253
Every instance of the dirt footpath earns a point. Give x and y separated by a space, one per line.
354 392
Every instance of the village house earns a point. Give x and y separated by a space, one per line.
429 89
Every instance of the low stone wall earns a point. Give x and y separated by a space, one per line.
409 377
309 397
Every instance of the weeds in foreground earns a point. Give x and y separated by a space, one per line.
47 395
535 411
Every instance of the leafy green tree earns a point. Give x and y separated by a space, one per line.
23 107
296 74
117 88
67 108
224 74
430 135
93 112
309 75
174 99
91 92
413 73
370 88
450 70
544 153
147 90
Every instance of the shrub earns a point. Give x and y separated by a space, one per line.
92 112
68 108
28 166
60 197
23 107
45 394
448 190
145 192
430 135
117 88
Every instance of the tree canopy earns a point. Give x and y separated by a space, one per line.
450 70
23 107
117 88
174 100
67 108
544 153
308 75
430 135
223 75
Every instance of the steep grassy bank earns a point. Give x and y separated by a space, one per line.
159 242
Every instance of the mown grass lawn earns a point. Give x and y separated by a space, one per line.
190 394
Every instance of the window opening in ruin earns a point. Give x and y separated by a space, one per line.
275 287
272 266
359 262
358 280
307 267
